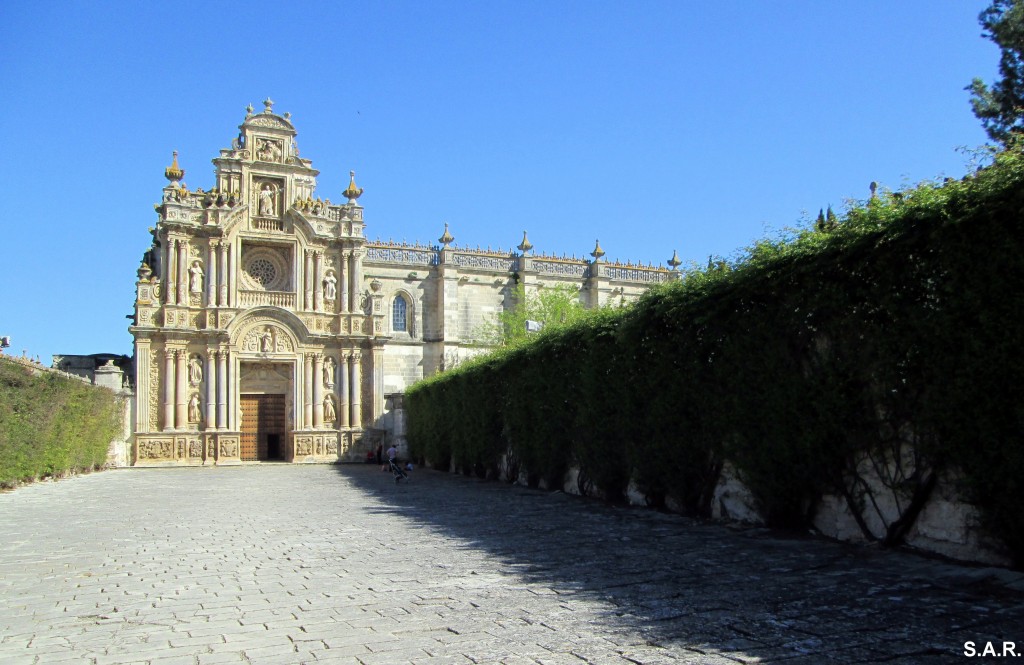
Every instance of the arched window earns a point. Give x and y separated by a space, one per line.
399 315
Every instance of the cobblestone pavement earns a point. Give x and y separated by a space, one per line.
307 564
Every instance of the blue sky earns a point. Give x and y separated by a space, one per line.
652 126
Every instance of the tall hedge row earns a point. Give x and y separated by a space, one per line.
892 339
50 424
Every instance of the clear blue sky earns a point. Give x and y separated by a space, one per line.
654 126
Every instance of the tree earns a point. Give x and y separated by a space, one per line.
1001 107
552 307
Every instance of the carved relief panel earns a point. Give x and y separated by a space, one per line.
267 338
269 150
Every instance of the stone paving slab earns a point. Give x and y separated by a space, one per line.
265 564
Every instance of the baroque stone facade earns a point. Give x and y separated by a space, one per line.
267 327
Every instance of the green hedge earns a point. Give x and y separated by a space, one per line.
50 425
893 335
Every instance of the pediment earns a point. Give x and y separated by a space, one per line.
269 121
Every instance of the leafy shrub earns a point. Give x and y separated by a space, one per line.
50 425
889 336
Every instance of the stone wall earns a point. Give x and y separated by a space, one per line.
947 526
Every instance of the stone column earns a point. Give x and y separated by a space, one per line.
355 388
318 281
357 277
181 392
232 268
168 389
307 278
342 379
211 276
233 372
183 257
353 296
223 285
170 273
318 390
343 282
211 389
222 390
307 393
143 358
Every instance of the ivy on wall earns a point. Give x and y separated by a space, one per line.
885 344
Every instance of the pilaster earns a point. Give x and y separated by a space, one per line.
143 365
343 387
377 383
318 390
181 389
168 385
355 383
448 297
210 376
222 389
307 393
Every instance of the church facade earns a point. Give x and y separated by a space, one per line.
267 326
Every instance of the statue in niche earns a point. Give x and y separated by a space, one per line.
267 341
330 415
267 206
194 413
329 365
195 370
196 282
330 286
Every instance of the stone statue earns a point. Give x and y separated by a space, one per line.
195 370
330 286
329 372
330 415
267 200
196 271
267 341
194 414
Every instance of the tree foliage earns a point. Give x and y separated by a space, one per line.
1001 106
552 307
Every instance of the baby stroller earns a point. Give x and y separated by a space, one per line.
398 471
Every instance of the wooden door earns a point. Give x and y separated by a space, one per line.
262 416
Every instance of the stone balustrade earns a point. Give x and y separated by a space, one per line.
284 299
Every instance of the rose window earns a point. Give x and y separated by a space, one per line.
263 271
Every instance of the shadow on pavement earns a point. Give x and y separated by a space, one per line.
746 592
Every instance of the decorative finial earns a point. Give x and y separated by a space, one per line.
873 186
287 115
598 252
248 110
525 245
269 104
674 262
172 172
353 192
447 238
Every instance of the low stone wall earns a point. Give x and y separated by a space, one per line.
947 525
